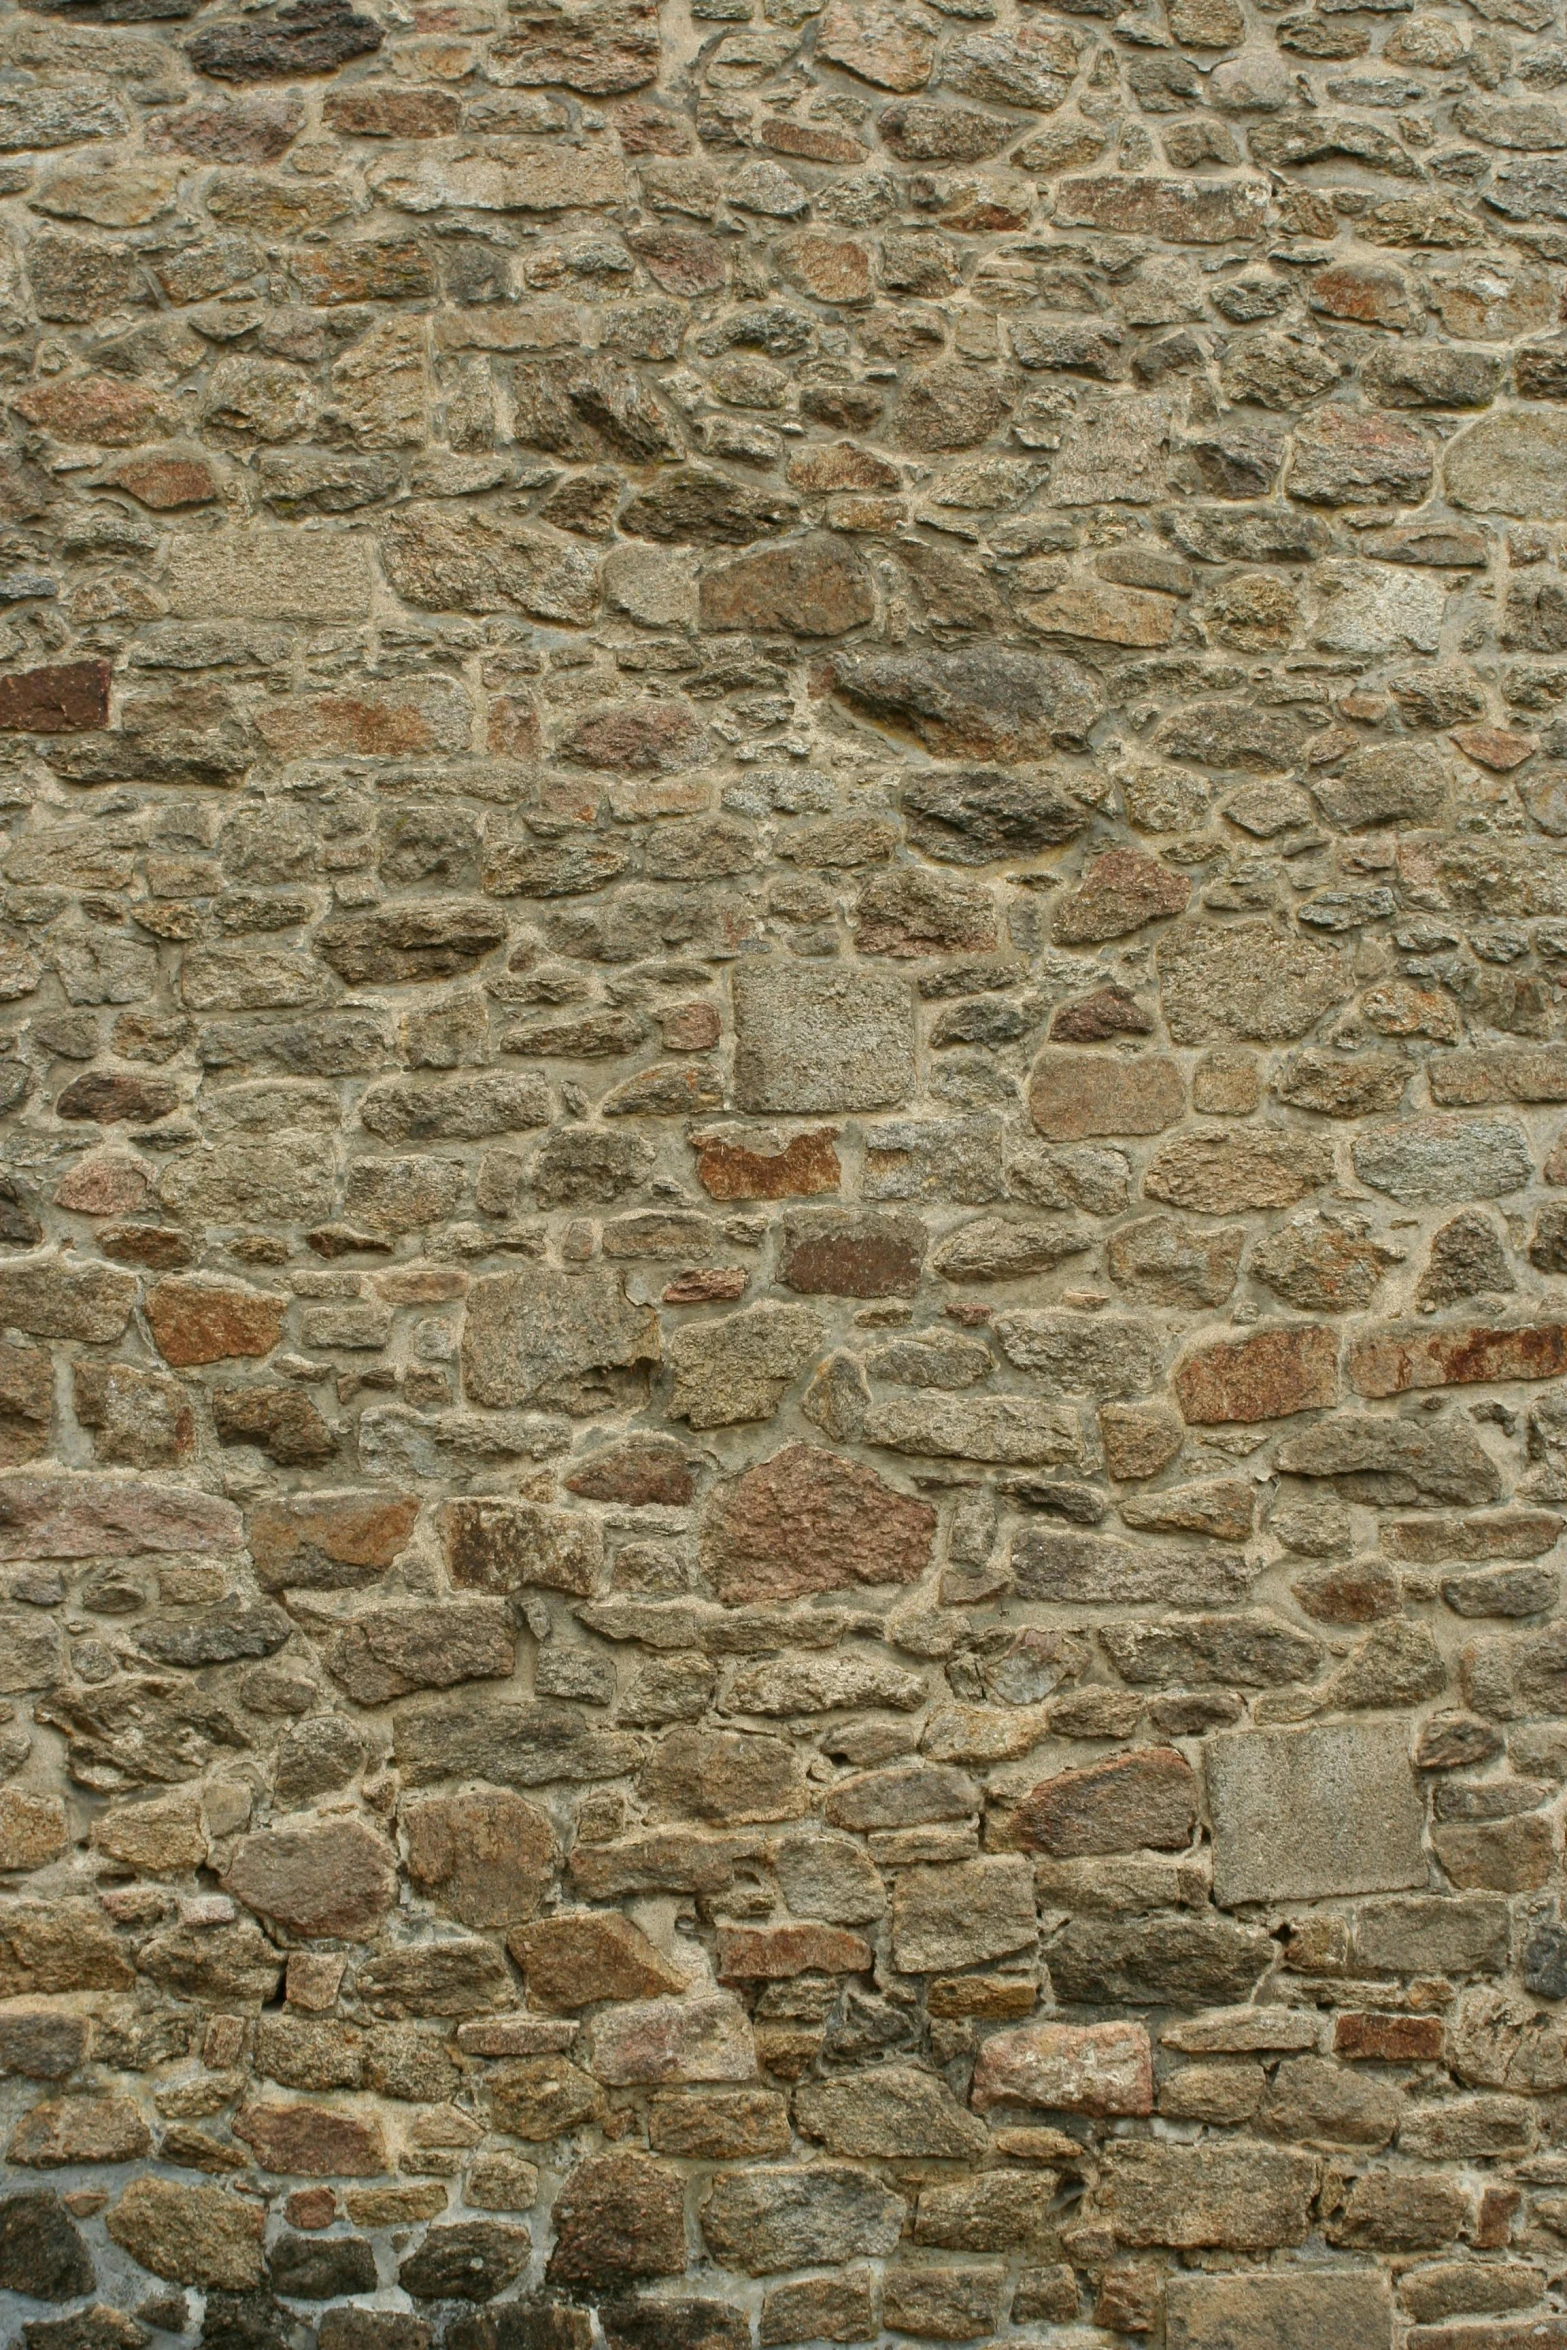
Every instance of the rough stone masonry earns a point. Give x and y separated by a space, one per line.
783 1182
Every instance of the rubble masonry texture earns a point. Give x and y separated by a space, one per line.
783 1174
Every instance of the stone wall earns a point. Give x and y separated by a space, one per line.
781 1196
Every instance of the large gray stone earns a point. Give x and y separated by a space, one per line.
1430 1160
1302 1814
539 1335
762 2220
821 1036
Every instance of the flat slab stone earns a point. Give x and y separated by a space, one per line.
1302 1814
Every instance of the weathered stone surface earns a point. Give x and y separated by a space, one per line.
618 2215
1267 1376
67 2130
88 1517
738 1369
471 2260
1146 1796
1251 1167
312 2141
485 1855
973 1910
1239 2195
1072 1096
1352 2307
1100 2069
807 1520
1395 1460
41 2251
760 2221
1307 1812
538 1336
332 1878
894 2110
1437 1159
191 2235
973 704
781 1201
811 1039
1246 979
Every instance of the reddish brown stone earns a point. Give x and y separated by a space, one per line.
815 586
513 727
682 261
95 1517
316 2141
1075 2068
73 699
230 130
1360 1591
830 269
811 144
575 1960
1391 1361
707 1285
828 1253
1496 747
769 1954
111 1097
641 738
1388 2039
311 2208
619 2215
332 1876
372 111
642 1470
689 1028
163 479
282 1422
26 1410
198 1320
808 1520
1146 1797
1073 1097
102 1187
728 1168
505 1546
97 409
394 724
1120 892
329 1541
1265 1377
162 1248
1109 1011
841 466
1368 295
485 1855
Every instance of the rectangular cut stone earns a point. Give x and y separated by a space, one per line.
1303 2309
1092 2068
1299 1814
1232 2194
813 1036
253 574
